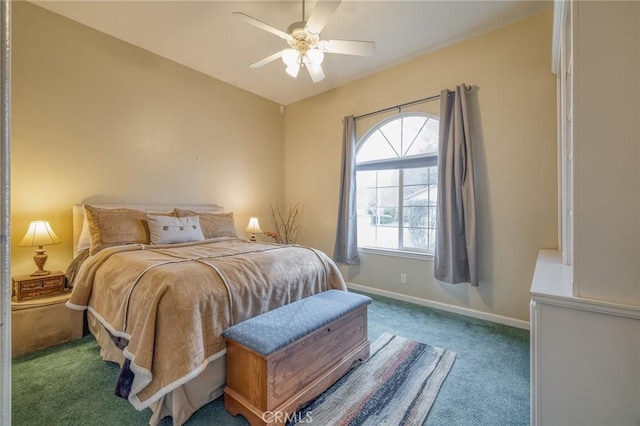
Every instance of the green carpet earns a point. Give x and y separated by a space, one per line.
488 384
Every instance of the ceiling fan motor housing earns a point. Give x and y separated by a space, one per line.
302 40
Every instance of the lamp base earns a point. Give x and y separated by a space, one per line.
40 259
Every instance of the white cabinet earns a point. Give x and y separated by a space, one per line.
585 354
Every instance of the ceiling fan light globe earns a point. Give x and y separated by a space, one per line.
316 56
290 57
293 69
313 67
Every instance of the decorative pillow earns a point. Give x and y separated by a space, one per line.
114 227
170 230
213 225
84 240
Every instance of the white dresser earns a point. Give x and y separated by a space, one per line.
585 353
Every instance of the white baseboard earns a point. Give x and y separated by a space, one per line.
443 306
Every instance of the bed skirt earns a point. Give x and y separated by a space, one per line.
183 401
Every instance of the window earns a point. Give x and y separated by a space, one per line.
397 184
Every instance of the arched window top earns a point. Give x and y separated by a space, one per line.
401 136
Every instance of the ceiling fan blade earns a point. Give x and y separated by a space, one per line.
266 60
256 23
315 70
321 14
348 47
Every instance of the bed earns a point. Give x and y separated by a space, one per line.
157 304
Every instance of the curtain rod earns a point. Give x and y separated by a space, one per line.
400 106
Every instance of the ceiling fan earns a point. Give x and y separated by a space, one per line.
305 46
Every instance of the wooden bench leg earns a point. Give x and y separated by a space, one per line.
234 405
268 418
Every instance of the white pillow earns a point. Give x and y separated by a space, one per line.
170 230
84 241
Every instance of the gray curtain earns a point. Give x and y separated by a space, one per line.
346 249
455 254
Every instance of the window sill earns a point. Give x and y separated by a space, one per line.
396 253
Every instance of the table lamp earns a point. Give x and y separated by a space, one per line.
38 235
253 228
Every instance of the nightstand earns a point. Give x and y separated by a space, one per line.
32 286
43 322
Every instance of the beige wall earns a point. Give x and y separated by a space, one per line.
97 119
515 158
607 151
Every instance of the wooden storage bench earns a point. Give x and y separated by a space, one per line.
284 358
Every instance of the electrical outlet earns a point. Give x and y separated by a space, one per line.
403 278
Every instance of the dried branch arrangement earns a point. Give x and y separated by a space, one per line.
285 225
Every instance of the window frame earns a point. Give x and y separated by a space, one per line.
408 162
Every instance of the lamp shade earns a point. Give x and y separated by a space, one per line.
254 226
39 234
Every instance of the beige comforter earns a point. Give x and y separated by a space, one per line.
172 302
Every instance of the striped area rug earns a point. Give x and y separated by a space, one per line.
396 386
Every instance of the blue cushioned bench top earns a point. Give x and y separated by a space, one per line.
273 330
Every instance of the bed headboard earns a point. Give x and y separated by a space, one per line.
78 213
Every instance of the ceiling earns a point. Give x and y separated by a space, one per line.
204 35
